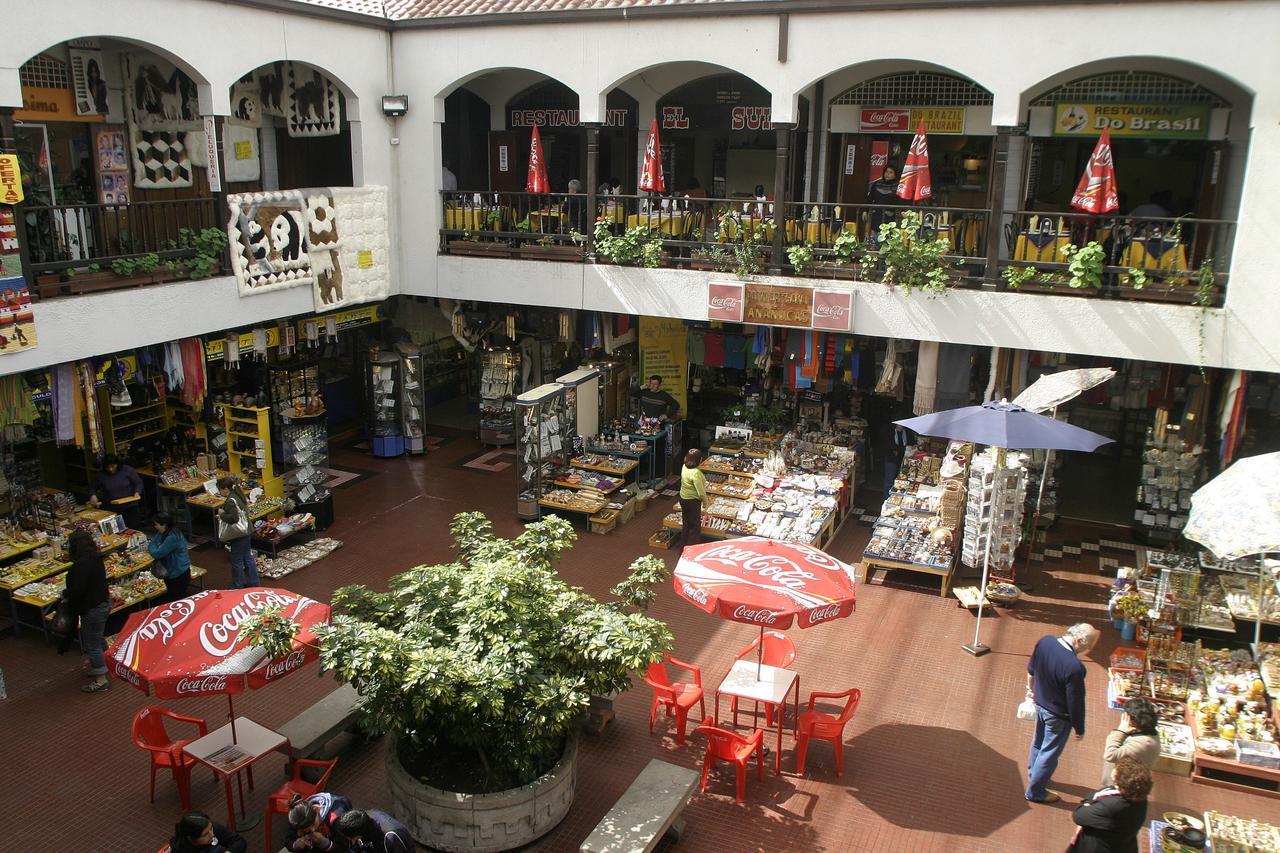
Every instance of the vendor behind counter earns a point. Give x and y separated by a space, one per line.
117 481
654 402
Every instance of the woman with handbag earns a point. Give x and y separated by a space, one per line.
1110 819
90 602
234 530
172 561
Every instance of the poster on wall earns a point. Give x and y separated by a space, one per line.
246 106
113 167
240 153
10 179
87 79
10 253
312 103
161 159
17 323
664 351
159 95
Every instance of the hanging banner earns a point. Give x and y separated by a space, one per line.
725 302
10 179
778 305
365 315
664 351
87 80
214 348
211 155
1149 121
833 310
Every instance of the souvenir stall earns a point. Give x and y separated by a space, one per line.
413 404
499 373
922 514
384 399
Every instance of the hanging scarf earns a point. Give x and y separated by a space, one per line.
88 393
194 384
926 378
15 401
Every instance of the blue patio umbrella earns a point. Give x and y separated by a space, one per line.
1005 426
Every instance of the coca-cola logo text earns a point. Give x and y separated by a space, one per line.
127 674
762 616
201 684
286 664
777 568
830 310
693 593
220 637
728 303
885 119
164 624
822 614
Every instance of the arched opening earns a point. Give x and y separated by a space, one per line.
289 127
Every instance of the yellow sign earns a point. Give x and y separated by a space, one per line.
664 351
10 179
939 120
348 319
244 150
214 348
41 104
1149 121
364 259
778 305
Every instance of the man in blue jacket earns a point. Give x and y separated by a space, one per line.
1055 681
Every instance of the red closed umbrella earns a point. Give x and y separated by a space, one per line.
191 647
915 184
651 177
1096 192
537 181
767 583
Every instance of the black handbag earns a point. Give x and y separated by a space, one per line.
64 621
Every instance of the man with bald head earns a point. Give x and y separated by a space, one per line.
1055 681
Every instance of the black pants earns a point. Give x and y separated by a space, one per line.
691 517
175 588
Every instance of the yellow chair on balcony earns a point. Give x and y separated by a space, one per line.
1042 242
1157 254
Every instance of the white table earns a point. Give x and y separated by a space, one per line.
772 685
226 759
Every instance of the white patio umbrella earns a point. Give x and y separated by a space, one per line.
1237 515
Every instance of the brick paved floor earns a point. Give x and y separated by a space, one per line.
934 758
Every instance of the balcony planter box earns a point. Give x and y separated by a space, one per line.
709 266
478 248
1059 290
534 252
664 260
1177 295
844 272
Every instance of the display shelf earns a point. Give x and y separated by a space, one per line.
122 426
582 399
304 446
294 386
614 468
384 398
543 442
994 511
1171 472
253 461
499 369
413 403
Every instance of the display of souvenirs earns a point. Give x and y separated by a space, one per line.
572 500
1172 652
1175 740
290 560
1171 472
614 465
30 569
1269 667
41 592
908 544
1242 597
1230 834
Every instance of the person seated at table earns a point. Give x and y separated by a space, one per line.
169 549
575 206
196 832
374 831
758 210
314 821
115 481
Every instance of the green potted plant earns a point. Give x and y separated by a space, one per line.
638 246
1085 266
1129 606
911 259
800 256
480 672
848 254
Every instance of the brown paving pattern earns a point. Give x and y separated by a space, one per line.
934 758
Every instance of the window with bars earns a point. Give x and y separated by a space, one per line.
916 89
45 72
1131 87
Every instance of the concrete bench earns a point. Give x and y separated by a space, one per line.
322 722
647 811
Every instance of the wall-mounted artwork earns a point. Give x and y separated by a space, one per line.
313 108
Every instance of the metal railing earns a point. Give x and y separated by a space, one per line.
82 241
1151 258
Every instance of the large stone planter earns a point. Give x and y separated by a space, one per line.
445 820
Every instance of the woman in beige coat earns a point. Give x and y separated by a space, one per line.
1139 740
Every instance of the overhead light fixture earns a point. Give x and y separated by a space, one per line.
395 105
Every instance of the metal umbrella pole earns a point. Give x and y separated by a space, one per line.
1257 623
1035 517
977 648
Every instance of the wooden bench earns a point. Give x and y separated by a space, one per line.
322 722
647 811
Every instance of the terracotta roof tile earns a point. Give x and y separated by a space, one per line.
402 10
360 7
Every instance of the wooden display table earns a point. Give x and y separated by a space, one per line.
621 469
580 509
871 563
13 550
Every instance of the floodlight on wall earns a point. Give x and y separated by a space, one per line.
395 105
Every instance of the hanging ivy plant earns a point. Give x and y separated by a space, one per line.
912 260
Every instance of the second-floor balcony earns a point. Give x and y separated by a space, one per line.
1182 260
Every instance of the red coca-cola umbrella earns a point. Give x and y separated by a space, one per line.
537 181
651 177
766 583
1096 192
191 647
915 184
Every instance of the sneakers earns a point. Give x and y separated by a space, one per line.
1049 797
94 687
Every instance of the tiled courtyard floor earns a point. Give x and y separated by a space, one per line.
934 758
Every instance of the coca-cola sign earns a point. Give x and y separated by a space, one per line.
885 120
220 637
756 616
198 684
123 672
285 665
821 614
725 302
694 593
833 310
777 568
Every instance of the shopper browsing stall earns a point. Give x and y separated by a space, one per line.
693 494
120 487
1109 821
90 602
1055 680
1137 740
169 549
234 530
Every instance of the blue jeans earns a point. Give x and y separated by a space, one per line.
1047 745
92 625
244 571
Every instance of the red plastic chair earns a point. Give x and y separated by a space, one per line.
278 802
815 724
149 734
725 745
676 696
779 651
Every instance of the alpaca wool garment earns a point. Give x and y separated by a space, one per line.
926 378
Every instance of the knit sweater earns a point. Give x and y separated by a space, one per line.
1058 681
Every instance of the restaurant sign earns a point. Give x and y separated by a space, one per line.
41 103
564 118
1149 121
780 305
946 121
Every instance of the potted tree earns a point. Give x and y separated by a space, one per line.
480 671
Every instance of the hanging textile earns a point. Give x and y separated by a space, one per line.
695 344
829 354
62 394
713 349
926 379
955 368
1231 421
193 386
15 401
891 374
88 393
